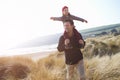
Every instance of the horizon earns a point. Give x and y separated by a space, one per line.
29 47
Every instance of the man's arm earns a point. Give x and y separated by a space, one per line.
78 18
61 45
56 18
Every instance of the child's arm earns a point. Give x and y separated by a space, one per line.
56 18
78 18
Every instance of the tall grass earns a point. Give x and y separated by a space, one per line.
53 66
106 45
104 68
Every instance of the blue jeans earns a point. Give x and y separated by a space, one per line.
80 68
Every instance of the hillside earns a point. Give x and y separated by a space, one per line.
53 39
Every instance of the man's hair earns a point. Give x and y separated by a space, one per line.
70 21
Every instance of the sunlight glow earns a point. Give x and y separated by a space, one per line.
23 20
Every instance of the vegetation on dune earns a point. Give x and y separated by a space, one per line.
97 67
53 68
106 45
15 68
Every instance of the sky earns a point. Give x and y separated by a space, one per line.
24 20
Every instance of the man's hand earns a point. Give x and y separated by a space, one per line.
67 41
81 42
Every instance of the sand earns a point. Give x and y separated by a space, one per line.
38 55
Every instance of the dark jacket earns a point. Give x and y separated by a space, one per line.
69 17
73 55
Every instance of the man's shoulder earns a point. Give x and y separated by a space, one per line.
62 36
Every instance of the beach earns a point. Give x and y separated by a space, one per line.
32 52
34 55
38 55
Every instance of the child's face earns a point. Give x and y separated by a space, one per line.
65 11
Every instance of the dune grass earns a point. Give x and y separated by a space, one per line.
53 67
105 67
105 45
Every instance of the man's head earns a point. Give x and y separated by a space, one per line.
68 25
65 10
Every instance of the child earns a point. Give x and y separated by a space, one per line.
67 16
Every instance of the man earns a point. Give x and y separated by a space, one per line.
73 55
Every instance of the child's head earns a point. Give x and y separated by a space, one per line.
65 10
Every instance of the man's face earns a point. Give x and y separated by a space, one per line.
68 27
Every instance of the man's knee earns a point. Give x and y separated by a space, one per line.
82 78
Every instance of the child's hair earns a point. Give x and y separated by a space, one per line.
70 21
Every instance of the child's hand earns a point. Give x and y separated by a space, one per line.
86 21
67 41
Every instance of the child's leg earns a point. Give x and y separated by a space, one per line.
67 40
77 34
65 35
79 38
